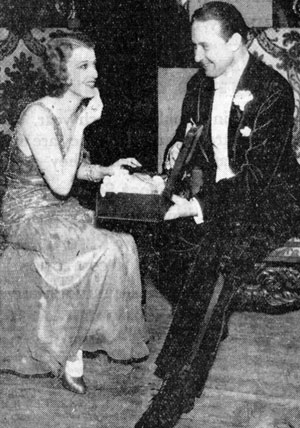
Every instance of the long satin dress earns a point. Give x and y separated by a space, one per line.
64 284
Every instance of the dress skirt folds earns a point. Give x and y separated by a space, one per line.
65 285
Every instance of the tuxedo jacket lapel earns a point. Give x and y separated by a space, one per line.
206 96
239 118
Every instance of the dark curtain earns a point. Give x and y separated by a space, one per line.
126 52
133 38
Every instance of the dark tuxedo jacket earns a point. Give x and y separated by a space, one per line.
257 204
259 145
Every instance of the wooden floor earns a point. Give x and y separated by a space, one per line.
254 383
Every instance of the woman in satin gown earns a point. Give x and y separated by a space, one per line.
83 288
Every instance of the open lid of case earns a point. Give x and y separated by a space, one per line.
190 142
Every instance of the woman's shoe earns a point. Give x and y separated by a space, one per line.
74 384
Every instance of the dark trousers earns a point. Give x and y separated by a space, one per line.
215 258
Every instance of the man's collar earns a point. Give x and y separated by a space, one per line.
233 73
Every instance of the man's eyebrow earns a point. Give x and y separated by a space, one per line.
204 44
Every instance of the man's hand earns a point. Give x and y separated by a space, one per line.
172 155
181 208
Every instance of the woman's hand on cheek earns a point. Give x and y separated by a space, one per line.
92 111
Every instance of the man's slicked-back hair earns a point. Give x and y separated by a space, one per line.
230 19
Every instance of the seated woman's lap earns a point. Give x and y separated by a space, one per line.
63 239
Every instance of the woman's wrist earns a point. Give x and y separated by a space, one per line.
92 173
97 172
107 170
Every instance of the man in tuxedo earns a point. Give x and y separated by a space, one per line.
242 207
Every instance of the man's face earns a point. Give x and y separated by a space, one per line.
210 49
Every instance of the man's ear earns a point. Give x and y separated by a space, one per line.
235 41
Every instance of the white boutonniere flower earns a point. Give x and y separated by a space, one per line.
246 131
242 98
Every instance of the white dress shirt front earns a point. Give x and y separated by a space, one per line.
225 86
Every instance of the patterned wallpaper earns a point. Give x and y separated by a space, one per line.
21 80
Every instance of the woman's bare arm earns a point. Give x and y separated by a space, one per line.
38 128
58 171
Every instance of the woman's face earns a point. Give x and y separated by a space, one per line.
82 72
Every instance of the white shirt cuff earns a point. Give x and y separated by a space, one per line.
199 216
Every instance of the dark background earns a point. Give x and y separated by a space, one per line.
133 39
284 14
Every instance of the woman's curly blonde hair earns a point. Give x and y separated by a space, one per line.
57 53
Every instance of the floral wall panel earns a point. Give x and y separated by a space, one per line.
281 50
21 79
